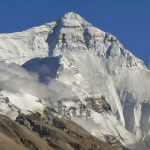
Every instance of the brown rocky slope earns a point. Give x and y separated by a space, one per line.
38 132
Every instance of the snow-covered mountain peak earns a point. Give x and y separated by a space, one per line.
70 34
72 19
73 35
87 63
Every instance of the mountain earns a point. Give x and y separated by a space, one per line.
98 83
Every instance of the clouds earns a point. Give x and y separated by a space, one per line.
14 78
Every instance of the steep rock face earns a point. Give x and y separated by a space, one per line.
92 64
74 34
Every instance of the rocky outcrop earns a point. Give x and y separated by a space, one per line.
61 133
98 104
114 142
16 137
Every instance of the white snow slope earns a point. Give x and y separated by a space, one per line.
93 63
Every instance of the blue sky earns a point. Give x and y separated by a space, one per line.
128 20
